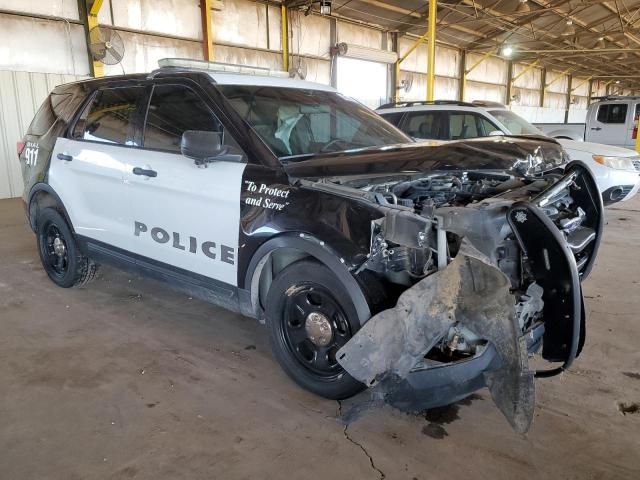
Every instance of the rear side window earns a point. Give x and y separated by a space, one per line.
50 110
173 109
393 118
108 116
612 113
426 125
469 125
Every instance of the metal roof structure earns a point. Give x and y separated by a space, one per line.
599 38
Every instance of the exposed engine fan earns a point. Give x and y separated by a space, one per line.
106 45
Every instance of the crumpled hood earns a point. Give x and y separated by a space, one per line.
519 156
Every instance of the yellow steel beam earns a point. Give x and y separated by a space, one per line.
573 89
482 59
559 77
92 22
207 31
284 38
528 67
415 45
431 50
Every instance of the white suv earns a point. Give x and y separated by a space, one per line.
615 169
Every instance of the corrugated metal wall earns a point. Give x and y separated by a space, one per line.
246 32
21 94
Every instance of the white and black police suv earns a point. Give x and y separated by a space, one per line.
422 272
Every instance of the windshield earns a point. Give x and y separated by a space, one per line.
515 123
297 122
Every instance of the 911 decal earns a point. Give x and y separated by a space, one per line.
262 195
31 154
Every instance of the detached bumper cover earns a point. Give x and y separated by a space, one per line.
387 348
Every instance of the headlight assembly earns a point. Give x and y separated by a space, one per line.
618 163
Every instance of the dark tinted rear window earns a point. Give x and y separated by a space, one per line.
393 118
612 113
108 116
50 110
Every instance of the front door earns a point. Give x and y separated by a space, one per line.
88 167
608 124
185 215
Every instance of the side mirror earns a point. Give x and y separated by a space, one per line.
496 133
201 146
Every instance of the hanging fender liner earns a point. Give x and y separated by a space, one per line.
469 291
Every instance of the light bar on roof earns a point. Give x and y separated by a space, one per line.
219 67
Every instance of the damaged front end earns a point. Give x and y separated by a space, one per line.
488 268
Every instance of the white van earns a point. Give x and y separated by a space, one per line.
610 120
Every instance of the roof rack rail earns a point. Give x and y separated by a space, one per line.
616 97
218 67
418 103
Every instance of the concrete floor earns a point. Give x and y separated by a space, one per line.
127 379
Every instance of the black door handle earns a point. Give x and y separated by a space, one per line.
65 157
145 172
596 128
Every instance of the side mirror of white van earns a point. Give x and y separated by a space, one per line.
496 133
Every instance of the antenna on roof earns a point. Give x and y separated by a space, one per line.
219 67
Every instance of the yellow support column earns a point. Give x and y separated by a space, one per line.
431 50
92 22
285 38
207 31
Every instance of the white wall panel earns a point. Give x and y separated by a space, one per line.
532 78
555 100
275 42
446 88
447 59
526 97
21 94
241 23
558 82
29 44
366 37
483 91
172 17
310 35
246 56
582 85
142 52
491 70
53 8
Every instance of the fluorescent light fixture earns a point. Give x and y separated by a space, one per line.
523 6
507 51
569 29
325 7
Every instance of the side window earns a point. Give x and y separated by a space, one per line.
393 118
108 116
426 125
612 113
173 109
486 126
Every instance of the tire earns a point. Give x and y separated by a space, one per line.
304 299
61 258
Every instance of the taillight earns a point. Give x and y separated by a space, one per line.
634 135
20 147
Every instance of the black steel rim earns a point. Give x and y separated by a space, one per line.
58 262
320 360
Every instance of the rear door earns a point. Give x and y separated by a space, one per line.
87 168
608 124
185 216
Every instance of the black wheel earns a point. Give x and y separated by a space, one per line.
59 253
310 316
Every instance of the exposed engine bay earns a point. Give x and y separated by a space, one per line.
532 238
